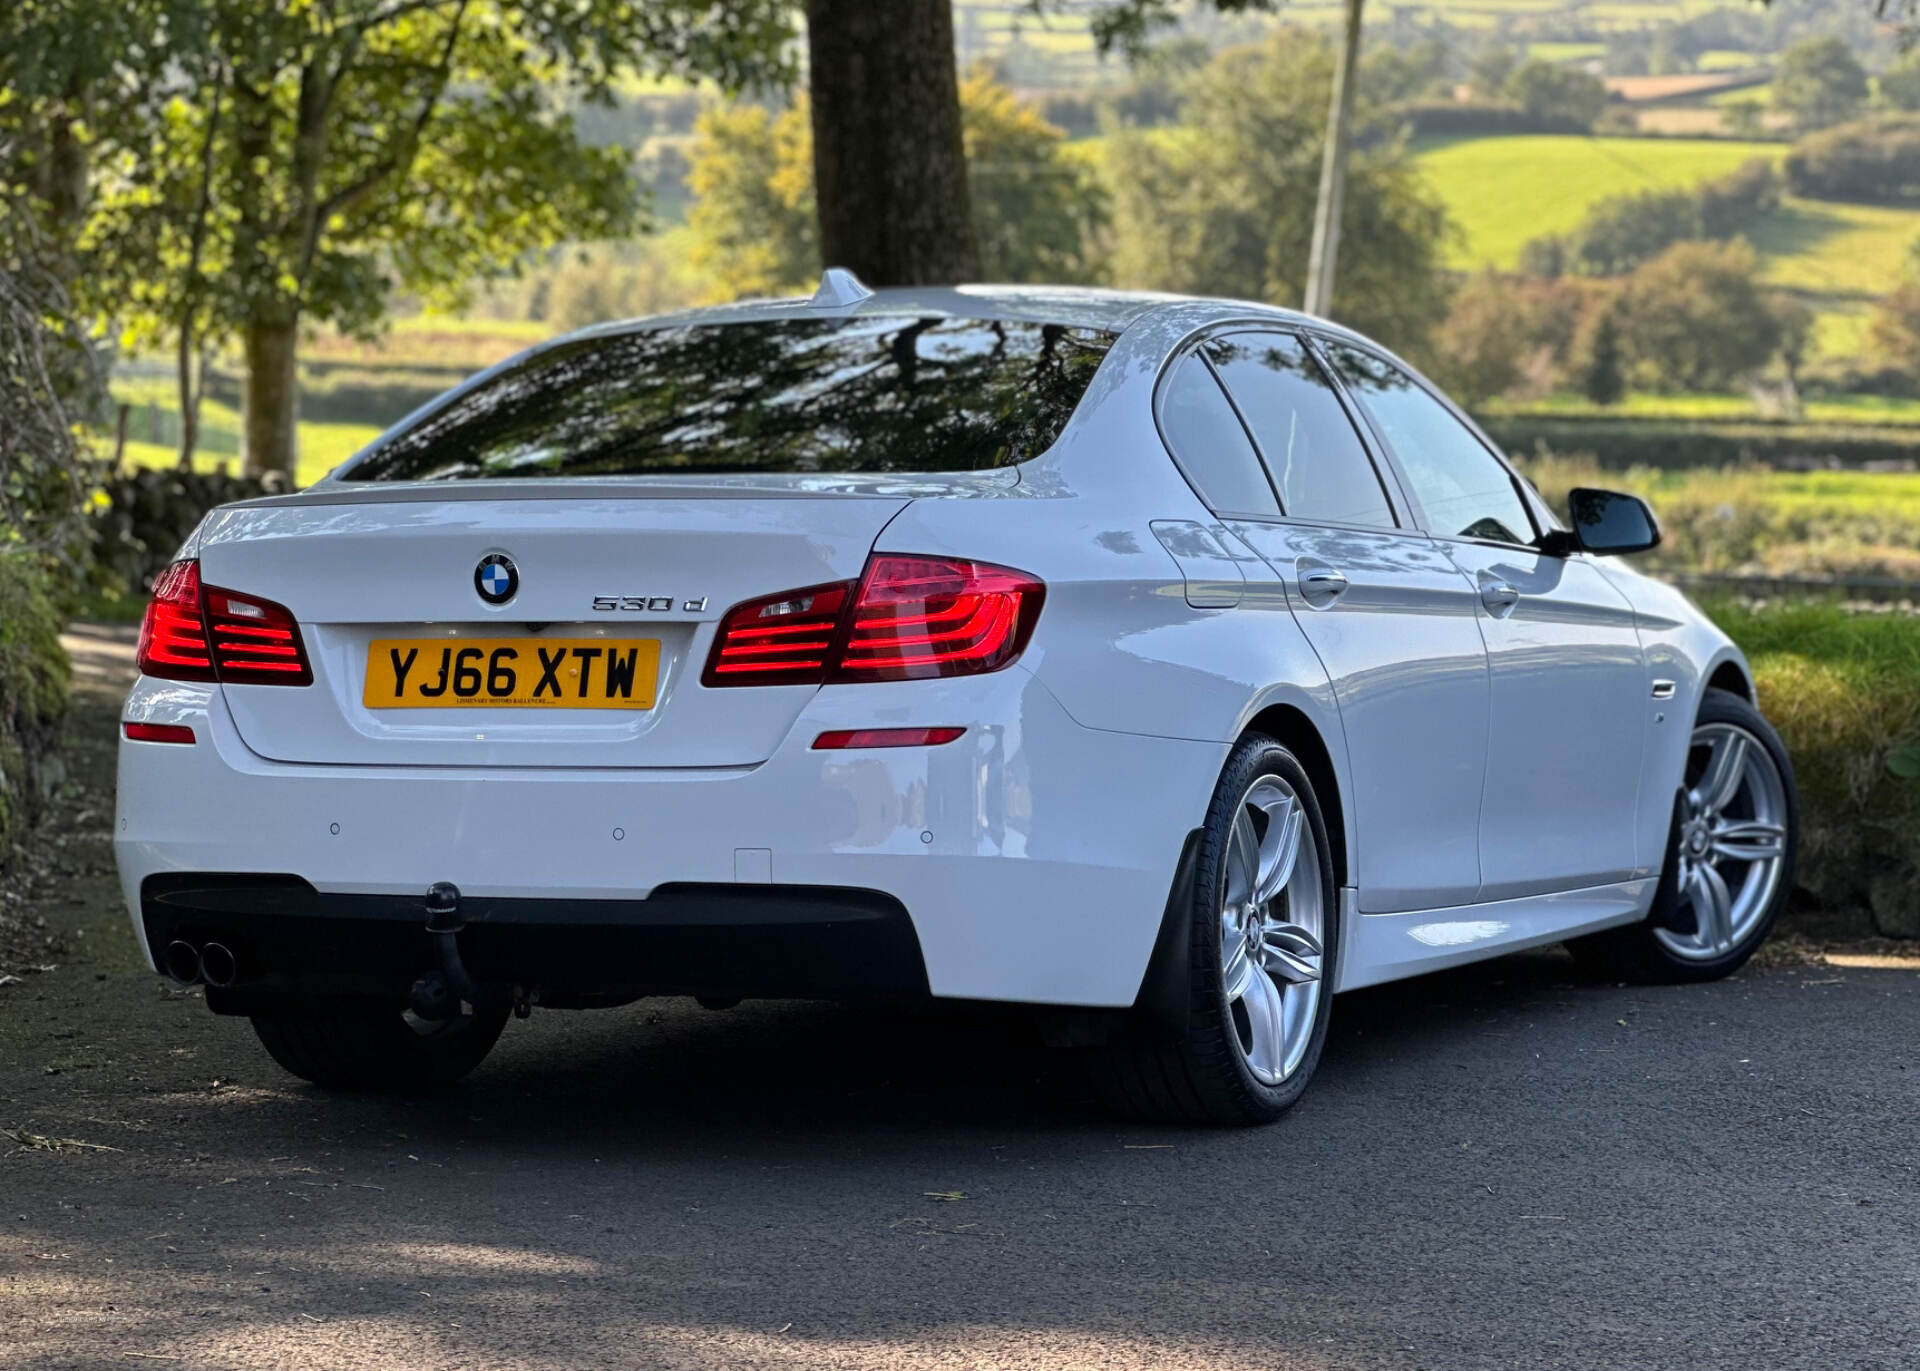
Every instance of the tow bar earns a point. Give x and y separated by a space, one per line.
439 994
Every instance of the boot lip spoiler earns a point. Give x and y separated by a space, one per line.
967 485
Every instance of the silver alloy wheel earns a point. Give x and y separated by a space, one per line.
1272 920
1732 844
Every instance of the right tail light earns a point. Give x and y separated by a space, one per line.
906 618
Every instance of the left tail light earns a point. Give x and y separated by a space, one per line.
195 632
906 618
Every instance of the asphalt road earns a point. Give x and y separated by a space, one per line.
1501 1167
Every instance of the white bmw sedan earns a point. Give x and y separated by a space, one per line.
1175 664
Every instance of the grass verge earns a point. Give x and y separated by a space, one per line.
1844 691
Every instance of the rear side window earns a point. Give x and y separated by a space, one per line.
1208 441
1310 447
866 394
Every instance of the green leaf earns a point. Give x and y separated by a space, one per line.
1904 761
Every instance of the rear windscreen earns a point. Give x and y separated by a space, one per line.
866 394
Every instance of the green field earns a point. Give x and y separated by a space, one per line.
1502 192
1832 409
990 29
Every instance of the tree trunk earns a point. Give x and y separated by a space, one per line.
1324 256
189 401
270 400
889 166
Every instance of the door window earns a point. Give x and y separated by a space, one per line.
1312 452
1210 444
1463 489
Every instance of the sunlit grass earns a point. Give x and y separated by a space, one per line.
1505 191
1838 409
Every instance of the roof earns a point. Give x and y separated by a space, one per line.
1078 306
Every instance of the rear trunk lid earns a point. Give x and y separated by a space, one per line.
656 566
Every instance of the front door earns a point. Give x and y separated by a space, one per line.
1568 679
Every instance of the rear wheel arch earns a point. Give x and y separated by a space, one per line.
1294 730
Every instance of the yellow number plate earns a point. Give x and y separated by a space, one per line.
512 673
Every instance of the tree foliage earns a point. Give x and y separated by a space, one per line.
1820 82
1507 333
754 231
47 382
290 164
1599 364
1223 205
1870 160
1038 209
1697 318
1899 85
1544 88
1895 331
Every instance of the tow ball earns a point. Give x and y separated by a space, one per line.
440 993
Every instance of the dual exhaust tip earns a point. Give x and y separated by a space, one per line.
213 964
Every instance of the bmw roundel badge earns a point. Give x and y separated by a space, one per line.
496 578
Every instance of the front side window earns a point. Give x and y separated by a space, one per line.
1312 452
1210 443
861 394
1463 489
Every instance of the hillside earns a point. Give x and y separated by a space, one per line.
1503 191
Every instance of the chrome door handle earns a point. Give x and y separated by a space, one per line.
1320 586
1498 596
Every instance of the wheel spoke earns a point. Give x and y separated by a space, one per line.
1726 767
1267 1052
1280 851
1748 840
1238 970
1712 907
1243 858
1291 953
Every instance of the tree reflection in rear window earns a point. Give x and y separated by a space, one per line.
863 394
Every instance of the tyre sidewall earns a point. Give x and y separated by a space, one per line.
1212 1018
1636 952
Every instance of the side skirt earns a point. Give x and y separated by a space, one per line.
1376 948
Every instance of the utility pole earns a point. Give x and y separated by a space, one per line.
1333 174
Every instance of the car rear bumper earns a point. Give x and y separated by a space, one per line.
287 938
1028 861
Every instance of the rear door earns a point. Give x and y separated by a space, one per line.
1570 684
1390 617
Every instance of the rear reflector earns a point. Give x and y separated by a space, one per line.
205 633
838 738
157 733
907 618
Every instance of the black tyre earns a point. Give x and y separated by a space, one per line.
1730 857
1264 926
351 1045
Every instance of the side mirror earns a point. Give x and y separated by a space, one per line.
1609 523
